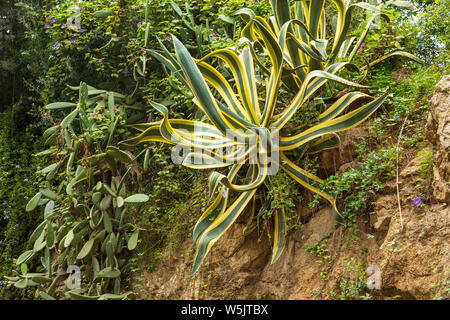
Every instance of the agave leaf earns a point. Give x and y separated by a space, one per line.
279 234
219 226
396 53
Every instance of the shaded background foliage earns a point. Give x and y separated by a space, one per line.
38 62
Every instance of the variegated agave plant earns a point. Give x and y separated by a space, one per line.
233 106
301 29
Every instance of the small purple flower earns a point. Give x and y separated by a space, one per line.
99 59
47 26
80 30
359 50
115 107
103 115
167 39
213 33
53 20
72 41
362 45
95 115
417 201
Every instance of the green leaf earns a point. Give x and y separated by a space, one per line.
47 133
37 232
108 272
24 268
219 226
21 284
279 235
48 194
132 242
45 296
41 279
227 19
32 204
24 257
120 202
137 198
96 196
103 14
69 237
50 235
49 168
39 244
68 120
86 249
48 211
107 222
60 105
105 203
176 8
119 154
101 235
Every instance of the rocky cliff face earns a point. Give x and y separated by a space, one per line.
397 256
438 132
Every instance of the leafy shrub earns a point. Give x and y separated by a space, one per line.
88 199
